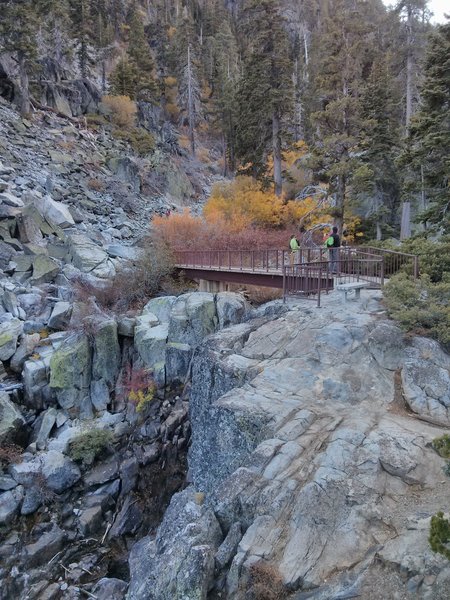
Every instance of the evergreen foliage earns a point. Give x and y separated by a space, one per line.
430 131
265 94
255 77
422 306
439 537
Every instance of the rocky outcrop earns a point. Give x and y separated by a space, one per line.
171 328
310 458
193 531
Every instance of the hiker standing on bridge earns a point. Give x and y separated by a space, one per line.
333 244
294 246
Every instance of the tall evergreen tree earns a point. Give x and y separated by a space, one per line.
266 91
338 83
189 91
377 179
140 56
430 132
124 79
224 79
19 26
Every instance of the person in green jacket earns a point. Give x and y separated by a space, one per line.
333 243
294 246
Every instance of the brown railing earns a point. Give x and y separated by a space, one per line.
396 261
261 261
308 280
306 272
273 260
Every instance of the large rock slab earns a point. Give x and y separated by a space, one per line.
300 435
45 269
426 380
9 505
231 308
151 343
160 307
192 318
70 372
59 472
85 254
53 211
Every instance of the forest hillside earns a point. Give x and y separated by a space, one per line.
360 88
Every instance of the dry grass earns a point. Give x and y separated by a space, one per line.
265 583
203 155
95 184
260 295
10 454
131 287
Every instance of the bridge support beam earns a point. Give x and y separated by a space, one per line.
204 285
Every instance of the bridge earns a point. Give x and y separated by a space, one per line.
307 272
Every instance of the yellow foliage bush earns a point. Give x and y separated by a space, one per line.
123 110
203 155
183 227
172 110
170 82
242 203
141 398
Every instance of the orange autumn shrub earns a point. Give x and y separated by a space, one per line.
184 231
181 231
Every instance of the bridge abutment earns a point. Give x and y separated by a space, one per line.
204 285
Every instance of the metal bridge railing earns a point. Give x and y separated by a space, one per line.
306 272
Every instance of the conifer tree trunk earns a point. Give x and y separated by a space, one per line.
340 203
190 102
409 69
24 85
276 141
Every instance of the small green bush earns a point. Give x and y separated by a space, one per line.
440 535
434 256
88 446
140 140
420 306
442 445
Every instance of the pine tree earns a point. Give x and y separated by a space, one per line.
377 178
140 55
189 92
224 78
430 131
19 25
83 32
265 94
338 82
123 80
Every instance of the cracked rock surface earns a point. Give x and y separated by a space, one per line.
311 438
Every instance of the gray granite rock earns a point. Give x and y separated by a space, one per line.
55 212
12 422
9 335
179 563
10 504
110 589
59 472
45 547
60 316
